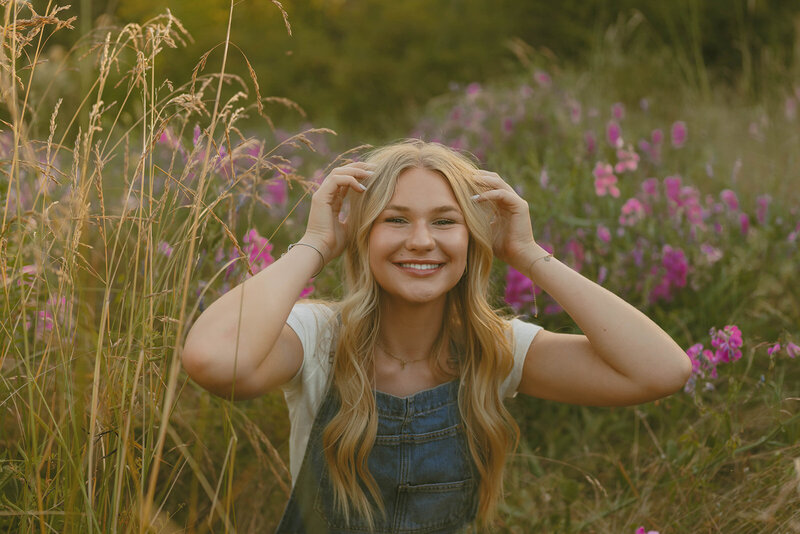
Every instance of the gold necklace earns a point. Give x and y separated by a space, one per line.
401 360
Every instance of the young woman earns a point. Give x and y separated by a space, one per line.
395 393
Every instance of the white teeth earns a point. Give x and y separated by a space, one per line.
419 266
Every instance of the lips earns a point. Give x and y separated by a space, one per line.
419 267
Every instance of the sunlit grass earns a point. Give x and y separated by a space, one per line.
124 217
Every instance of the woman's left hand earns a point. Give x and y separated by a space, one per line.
512 230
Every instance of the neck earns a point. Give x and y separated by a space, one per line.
410 330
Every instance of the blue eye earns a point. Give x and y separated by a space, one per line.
444 221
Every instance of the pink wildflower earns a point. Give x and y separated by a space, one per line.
632 212
306 291
473 90
604 180
544 179
258 250
614 134
676 265
508 126
657 136
618 111
762 202
679 134
274 192
575 249
542 78
603 234
672 186
792 350
165 249
641 530
776 347
727 343
650 187
744 223
628 160
730 199
519 291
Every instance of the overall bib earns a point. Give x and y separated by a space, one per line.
420 462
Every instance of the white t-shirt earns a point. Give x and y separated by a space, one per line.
313 323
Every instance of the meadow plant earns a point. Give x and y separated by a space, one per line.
657 221
123 217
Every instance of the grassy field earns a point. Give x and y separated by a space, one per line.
123 218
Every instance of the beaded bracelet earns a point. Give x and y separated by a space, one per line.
307 245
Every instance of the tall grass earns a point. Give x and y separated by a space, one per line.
96 301
123 216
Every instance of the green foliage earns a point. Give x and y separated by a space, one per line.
118 226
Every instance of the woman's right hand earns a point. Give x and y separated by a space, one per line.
324 229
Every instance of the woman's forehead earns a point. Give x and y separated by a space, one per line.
423 190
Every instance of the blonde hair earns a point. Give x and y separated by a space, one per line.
478 334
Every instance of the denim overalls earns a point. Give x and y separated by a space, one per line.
420 461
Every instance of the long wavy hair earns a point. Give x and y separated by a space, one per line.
478 335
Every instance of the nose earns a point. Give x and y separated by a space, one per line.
419 237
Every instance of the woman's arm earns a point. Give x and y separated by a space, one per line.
241 346
622 358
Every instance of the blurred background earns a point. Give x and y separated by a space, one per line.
149 163
369 67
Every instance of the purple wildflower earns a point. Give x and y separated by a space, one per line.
727 343
678 134
792 350
672 187
165 249
650 187
614 134
744 223
258 250
542 78
519 291
776 347
730 199
603 234
618 111
275 192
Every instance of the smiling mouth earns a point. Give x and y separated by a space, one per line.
421 268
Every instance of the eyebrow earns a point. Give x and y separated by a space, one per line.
438 209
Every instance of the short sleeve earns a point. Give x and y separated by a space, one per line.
311 322
522 337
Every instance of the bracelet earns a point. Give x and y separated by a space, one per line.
546 258
307 245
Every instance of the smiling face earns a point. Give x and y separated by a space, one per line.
418 244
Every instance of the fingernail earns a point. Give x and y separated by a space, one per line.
475 197
369 172
363 187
